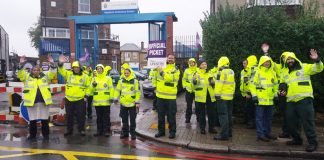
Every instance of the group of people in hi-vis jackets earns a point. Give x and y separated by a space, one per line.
80 85
263 85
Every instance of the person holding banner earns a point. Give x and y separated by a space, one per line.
37 96
76 94
166 92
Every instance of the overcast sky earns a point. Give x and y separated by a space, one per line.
16 16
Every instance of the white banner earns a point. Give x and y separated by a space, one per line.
119 5
156 62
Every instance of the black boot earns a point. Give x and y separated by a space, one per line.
45 129
32 130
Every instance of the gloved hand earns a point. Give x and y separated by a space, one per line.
94 84
218 98
211 82
276 101
255 99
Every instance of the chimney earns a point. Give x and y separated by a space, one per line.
142 45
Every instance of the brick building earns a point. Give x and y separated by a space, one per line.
135 56
56 33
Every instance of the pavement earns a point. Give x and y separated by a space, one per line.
243 140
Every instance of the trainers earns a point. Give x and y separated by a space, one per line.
293 143
159 135
311 148
264 139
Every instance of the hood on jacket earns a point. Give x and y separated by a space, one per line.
284 54
102 66
126 66
223 62
264 59
252 61
192 59
292 55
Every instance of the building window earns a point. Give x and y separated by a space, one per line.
56 32
84 6
53 4
87 34
135 55
127 56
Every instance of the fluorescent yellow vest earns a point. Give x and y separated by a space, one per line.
31 85
167 82
128 91
202 87
76 85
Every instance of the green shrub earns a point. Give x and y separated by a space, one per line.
239 32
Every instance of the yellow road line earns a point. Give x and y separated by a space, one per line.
17 155
70 155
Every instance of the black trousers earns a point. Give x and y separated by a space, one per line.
89 106
250 111
78 109
189 99
225 109
33 128
103 119
130 112
210 107
154 100
167 107
283 107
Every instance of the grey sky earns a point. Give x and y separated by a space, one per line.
16 16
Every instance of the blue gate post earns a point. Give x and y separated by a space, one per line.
96 46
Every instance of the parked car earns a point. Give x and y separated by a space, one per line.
140 76
148 89
115 76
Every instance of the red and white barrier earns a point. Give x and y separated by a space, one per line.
55 88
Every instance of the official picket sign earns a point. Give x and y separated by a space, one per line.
156 54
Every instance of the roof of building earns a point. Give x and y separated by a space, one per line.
130 47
